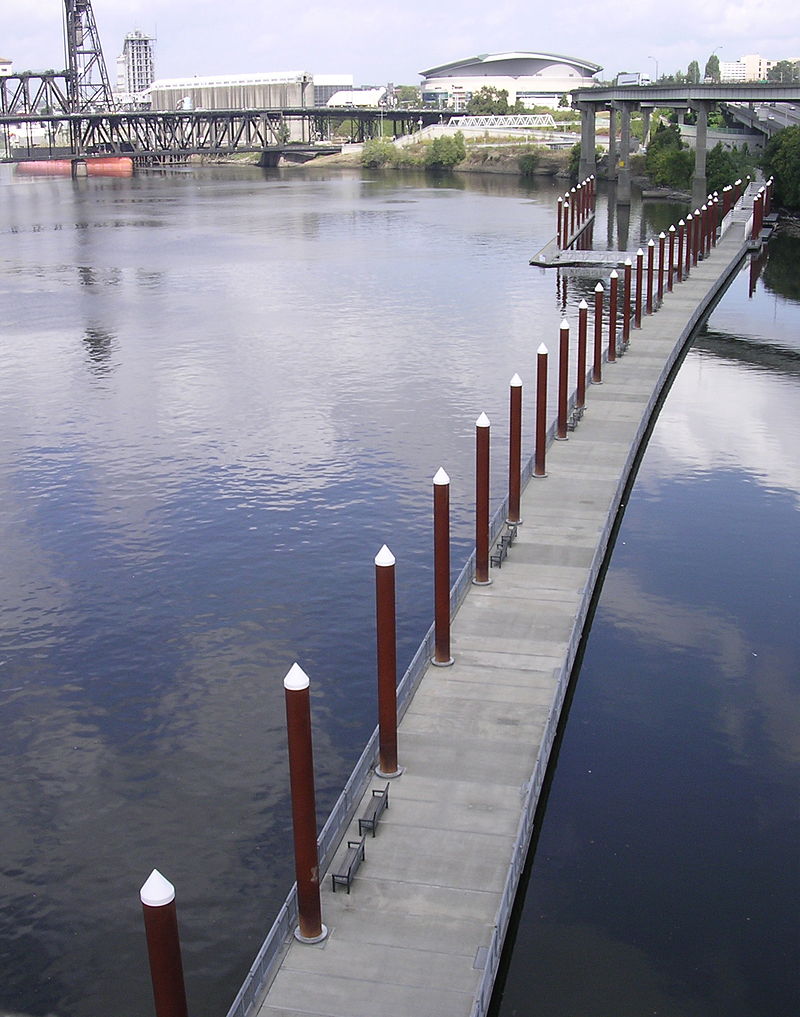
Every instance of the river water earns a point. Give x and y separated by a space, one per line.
223 390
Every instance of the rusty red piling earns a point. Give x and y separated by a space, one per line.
597 359
514 449
671 258
163 946
482 429
662 243
651 258
637 314
386 640
563 380
612 316
681 242
304 813
580 389
688 238
626 301
441 569
540 446
559 214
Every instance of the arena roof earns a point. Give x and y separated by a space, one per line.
489 58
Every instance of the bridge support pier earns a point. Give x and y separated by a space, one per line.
612 142
623 167
645 125
699 184
588 162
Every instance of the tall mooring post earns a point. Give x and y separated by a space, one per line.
386 633
304 810
441 569
163 946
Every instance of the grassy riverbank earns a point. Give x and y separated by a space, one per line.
506 158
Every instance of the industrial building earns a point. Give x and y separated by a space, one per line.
537 79
233 91
280 89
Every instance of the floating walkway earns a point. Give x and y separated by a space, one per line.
421 932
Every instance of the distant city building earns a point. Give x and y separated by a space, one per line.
358 97
748 68
326 85
137 53
537 79
6 67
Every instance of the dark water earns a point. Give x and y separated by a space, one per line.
666 877
222 392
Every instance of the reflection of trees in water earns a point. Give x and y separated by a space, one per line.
780 272
99 345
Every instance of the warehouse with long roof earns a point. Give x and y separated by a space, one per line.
537 79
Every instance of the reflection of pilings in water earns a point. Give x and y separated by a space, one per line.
757 263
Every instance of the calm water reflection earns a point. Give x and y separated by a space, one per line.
223 391
666 876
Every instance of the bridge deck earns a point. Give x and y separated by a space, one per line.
421 931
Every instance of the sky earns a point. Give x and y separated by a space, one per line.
377 41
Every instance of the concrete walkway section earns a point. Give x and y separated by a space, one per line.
420 933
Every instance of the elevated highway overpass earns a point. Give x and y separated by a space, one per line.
621 100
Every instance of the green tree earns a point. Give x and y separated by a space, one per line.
785 71
693 73
528 161
445 152
407 95
378 152
712 67
782 161
489 101
723 166
668 162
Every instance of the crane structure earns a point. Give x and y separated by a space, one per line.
88 87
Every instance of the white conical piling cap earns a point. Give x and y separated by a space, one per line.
441 477
628 263
583 306
662 235
599 288
672 228
482 421
516 382
564 325
615 273
542 349
296 680
384 557
157 891
681 222
651 242
640 253
689 216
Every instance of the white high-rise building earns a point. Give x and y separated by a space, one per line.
138 63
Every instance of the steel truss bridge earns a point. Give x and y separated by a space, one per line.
173 135
524 120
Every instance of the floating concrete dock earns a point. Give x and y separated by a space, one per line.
421 932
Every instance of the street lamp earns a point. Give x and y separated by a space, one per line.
656 63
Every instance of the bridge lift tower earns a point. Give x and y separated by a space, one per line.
88 88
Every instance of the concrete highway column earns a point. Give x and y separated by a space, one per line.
623 164
699 185
646 126
612 142
588 163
